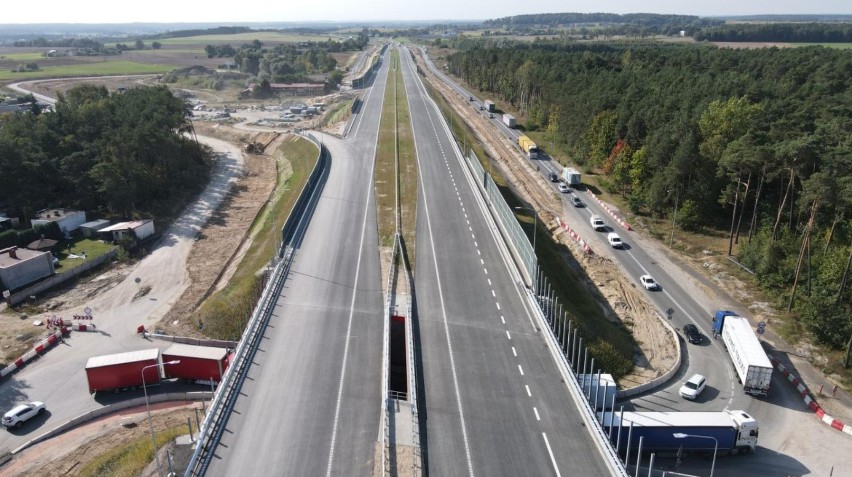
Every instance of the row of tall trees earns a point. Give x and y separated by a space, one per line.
284 63
116 154
753 142
788 32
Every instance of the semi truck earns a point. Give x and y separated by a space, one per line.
670 432
754 370
528 146
571 176
115 372
197 363
509 120
489 105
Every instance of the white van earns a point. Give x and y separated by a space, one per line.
597 223
614 240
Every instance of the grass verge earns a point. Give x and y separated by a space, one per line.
610 343
92 249
226 312
130 459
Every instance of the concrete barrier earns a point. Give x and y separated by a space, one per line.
111 408
621 394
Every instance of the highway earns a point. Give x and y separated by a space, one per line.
311 404
788 433
493 400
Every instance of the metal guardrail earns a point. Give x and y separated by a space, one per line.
228 390
386 393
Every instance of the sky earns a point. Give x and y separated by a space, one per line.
191 11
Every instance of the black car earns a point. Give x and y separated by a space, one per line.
553 177
692 334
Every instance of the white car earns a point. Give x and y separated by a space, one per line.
614 240
648 282
598 223
563 188
692 387
22 413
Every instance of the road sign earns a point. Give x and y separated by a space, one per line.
760 331
762 324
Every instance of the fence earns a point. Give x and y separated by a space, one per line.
51 282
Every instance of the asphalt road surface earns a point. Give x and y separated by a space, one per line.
311 402
494 403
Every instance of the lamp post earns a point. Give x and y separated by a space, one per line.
148 408
680 435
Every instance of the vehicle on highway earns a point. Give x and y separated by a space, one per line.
553 177
490 115
576 202
597 223
614 240
692 333
754 370
648 282
571 176
18 415
470 98
563 188
692 387
481 107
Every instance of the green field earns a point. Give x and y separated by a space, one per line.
240 38
102 68
22 56
840 46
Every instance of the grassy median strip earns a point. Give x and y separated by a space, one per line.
225 313
396 160
611 343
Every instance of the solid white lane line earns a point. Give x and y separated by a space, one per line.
550 451
527 386
537 418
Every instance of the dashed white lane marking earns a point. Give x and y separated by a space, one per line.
472 236
482 261
498 305
508 335
537 418
503 319
514 353
527 386
550 451
521 369
493 294
485 270
489 282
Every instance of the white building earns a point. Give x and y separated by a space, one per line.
137 230
68 220
20 267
